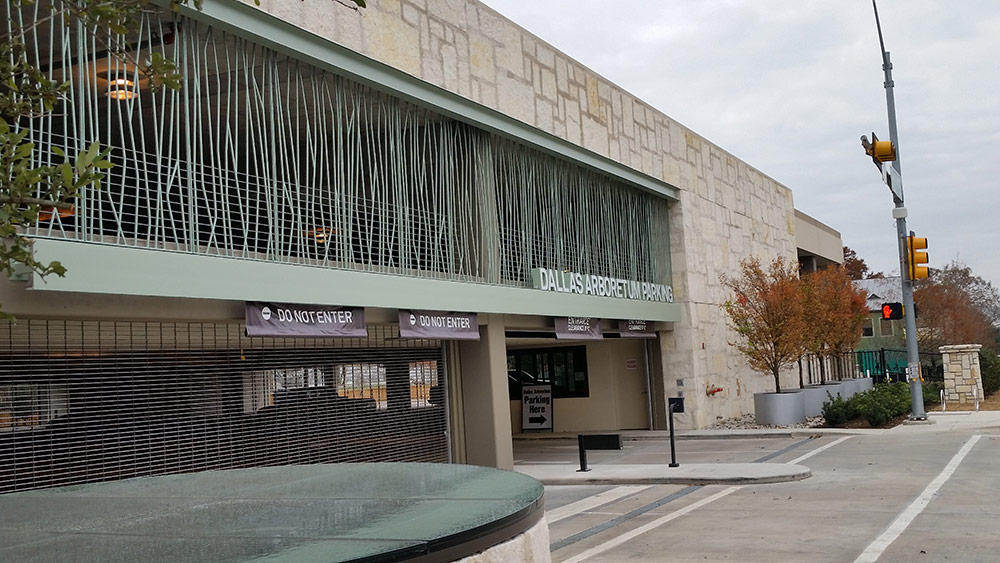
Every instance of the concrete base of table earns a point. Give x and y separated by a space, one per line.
531 547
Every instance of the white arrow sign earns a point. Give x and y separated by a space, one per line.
892 179
536 407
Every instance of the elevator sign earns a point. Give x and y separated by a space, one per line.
536 407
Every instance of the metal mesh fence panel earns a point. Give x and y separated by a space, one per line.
260 156
85 401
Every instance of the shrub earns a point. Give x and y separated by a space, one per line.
989 365
835 411
878 406
896 397
932 392
875 412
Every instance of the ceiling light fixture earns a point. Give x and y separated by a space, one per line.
320 234
121 88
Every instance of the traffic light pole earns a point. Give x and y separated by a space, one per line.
899 213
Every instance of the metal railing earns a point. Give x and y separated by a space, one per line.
888 365
260 156
814 369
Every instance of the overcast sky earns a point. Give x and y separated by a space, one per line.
790 87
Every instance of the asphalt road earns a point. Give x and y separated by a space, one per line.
926 496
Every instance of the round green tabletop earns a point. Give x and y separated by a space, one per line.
364 512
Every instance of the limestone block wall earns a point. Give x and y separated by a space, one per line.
963 378
727 208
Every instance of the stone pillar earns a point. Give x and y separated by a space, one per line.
962 373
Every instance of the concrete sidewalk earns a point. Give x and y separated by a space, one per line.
984 422
652 474
937 421
566 473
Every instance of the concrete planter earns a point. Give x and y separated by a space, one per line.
867 384
835 388
814 397
851 387
780 409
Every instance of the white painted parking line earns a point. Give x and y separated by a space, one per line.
902 521
591 502
802 458
627 536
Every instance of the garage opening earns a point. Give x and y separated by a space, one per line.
84 401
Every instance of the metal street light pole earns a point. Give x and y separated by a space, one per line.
895 179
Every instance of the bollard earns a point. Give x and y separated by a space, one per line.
944 402
674 404
596 442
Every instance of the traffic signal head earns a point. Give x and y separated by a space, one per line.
892 311
884 151
915 259
880 151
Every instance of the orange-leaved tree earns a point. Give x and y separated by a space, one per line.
836 311
767 313
856 267
948 315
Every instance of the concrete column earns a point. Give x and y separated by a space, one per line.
962 373
485 399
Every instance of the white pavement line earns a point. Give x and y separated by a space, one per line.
627 536
902 521
802 458
574 508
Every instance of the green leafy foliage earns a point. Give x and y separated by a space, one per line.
835 411
27 189
877 406
989 365
932 391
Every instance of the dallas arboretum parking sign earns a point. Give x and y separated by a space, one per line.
548 279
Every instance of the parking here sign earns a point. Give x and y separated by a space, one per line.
536 407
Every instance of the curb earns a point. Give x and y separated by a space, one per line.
694 474
627 436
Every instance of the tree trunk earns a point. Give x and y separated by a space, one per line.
802 384
777 381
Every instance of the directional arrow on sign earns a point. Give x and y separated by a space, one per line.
892 179
536 420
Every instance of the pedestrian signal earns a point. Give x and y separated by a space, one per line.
892 311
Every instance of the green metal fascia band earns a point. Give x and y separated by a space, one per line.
282 36
157 273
